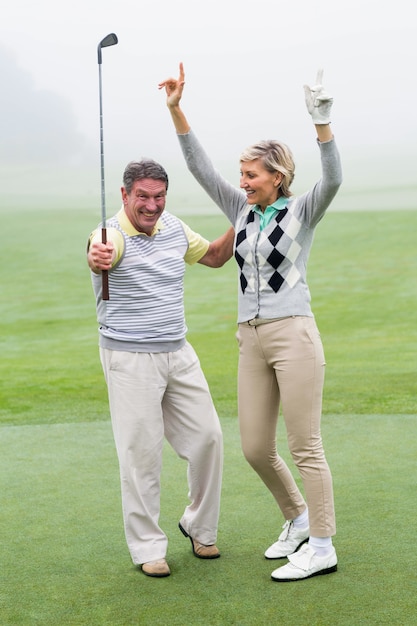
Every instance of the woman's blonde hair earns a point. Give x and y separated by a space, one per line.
275 157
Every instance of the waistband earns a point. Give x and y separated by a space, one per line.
257 321
140 346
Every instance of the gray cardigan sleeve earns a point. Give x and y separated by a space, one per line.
227 197
231 200
314 203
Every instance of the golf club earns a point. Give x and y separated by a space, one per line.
109 40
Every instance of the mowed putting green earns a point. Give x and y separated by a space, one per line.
63 553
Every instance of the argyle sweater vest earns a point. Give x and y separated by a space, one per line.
273 262
272 265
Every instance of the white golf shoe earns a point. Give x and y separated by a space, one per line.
304 564
288 542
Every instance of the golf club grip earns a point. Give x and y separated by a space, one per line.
105 284
104 273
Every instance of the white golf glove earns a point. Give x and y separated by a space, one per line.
318 101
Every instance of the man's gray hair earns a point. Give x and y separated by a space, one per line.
146 168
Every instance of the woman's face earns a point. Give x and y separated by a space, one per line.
261 187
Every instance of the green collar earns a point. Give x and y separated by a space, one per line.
270 211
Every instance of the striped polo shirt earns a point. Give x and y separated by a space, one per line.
145 310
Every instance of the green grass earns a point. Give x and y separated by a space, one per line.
64 558
63 553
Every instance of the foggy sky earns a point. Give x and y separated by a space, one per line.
246 63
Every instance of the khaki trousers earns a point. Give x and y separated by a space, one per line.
281 364
153 395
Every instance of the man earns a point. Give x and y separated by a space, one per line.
155 383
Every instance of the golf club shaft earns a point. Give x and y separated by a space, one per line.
104 273
109 40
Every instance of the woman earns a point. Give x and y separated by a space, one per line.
281 358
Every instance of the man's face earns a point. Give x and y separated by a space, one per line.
145 203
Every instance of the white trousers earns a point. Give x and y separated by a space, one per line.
153 395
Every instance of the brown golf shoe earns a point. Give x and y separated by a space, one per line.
199 549
157 569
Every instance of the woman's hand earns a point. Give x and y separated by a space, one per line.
318 101
174 88
319 105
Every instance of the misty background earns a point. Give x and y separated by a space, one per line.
245 66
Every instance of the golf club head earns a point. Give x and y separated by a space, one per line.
109 40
